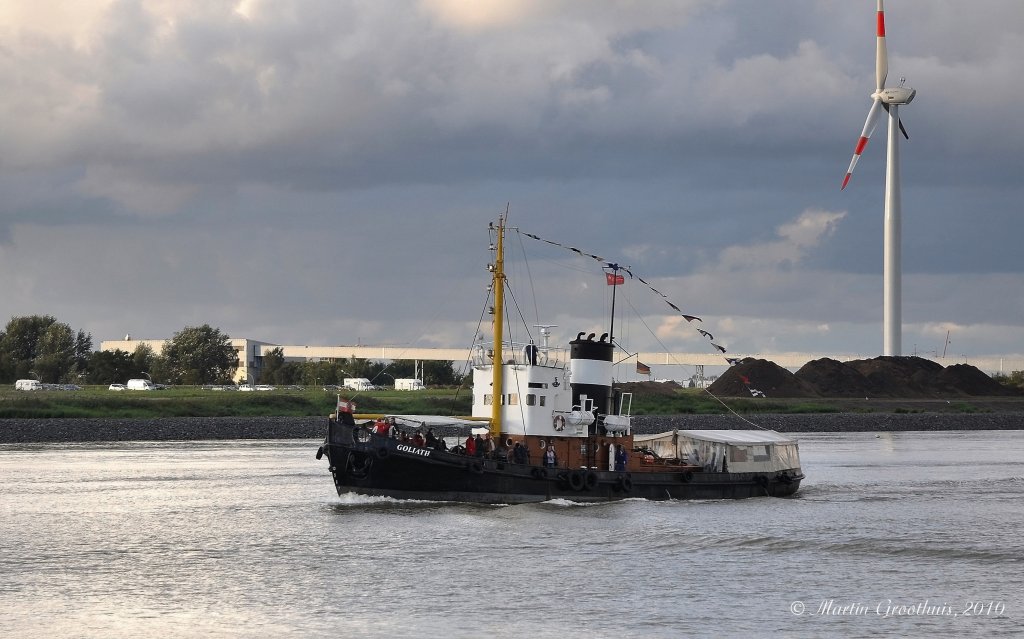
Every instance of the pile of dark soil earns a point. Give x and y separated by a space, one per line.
896 377
972 381
647 389
751 376
899 376
832 378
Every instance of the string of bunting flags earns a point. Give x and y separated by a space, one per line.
614 278
753 391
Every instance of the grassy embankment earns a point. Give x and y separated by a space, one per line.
98 402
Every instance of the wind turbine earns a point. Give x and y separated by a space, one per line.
889 99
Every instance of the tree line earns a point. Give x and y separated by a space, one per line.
40 347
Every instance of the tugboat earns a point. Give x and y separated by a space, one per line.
552 428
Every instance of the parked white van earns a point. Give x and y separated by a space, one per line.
357 384
409 384
140 384
28 385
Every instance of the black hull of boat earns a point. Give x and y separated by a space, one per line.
381 466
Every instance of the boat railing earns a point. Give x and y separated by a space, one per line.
626 404
518 353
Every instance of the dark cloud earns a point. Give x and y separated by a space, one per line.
322 172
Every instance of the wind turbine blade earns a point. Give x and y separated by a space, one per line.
900 122
905 134
862 143
881 55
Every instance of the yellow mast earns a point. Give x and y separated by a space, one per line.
497 372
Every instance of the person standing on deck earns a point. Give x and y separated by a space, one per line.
620 458
550 458
519 454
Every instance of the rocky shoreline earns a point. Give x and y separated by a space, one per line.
836 422
226 428
163 429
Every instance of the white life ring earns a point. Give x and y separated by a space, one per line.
559 422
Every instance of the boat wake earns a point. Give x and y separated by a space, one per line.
567 503
354 500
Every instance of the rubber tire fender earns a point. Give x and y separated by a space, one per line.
362 471
576 480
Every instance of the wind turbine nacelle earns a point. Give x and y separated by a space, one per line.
896 95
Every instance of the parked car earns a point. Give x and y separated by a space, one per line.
117 387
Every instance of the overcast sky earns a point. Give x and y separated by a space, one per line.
323 172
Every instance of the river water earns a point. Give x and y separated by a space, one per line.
897 534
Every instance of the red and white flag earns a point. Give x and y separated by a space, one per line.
614 279
345 406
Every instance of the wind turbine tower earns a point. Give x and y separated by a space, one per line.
889 99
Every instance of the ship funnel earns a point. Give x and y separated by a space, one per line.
590 366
